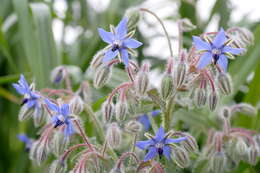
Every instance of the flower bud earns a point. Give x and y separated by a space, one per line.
246 109
213 100
241 147
57 167
57 74
39 116
252 154
190 143
84 92
121 111
187 25
76 105
142 80
133 16
180 74
217 162
97 59
117 170
133 126
246 36
114 136
59 143
181 157
108 110
25 113
38 152
231 150
102 76
167 86
201 97
224 83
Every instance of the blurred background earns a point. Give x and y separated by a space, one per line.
37 35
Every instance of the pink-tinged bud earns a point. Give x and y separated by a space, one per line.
224 83
58 167
252 155
108 110
190 143
180 157
102 76
59 143
167 86
142 80
38 152
58 74
217 162
121 111
114 136
245 109
97 59
76 105
213 100
180 74
133 127
201 97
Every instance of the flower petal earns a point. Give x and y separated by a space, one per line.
200 44
177 140
106 36
167 152
23 138
65 110
131 43
223 62
205 60
30 103
151 154
109 55
69 129
220 39
235 51
145 121
159 135
125 57
144 144
19 89
51 105
155 113
23 82
121 29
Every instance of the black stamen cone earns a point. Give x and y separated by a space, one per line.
24 101
58 123
160 152
115 47
215 58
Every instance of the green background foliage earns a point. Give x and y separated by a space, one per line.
27 46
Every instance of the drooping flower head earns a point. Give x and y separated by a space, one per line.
215 51
61 117
158 145
28 142
31 98
119 42
144 119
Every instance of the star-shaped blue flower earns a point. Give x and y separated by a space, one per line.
31 99
215 51
158 145
119 42
28 142
61 117
144 119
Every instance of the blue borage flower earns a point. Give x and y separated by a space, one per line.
31 99
144 119
28 142
215 51
61 117
119 42
158 145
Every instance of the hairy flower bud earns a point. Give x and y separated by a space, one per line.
121 111
167 86
39 116
213 100
142 80
187 25
114 135
38 152
241 147
97 59
133 126
102 76
59 143
133 15
180 157
76 105
224 83
252 154
25 113
108 110
217 162
57 167
190 143
180 74
245 109
57 74
201 97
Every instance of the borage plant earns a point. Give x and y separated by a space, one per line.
193 80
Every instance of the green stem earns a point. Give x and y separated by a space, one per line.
164 29
167 117
99 129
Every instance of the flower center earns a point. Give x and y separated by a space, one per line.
115 47
215 54
60 121
159 147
